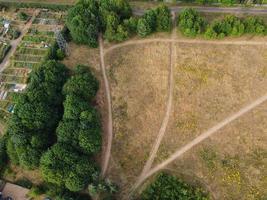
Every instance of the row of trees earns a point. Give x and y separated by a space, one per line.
114 19
69 163
37 113
158 19
191 24
167 187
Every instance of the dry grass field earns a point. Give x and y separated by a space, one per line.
211 83
232 163
139 82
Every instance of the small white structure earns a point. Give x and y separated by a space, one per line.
6 26
19 87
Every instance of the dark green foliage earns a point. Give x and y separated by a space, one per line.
113 13
255 25
158 19
64 166
60 54
36 115
190 22
131 25
163 15
167 187
83 84
228 26
23 16
84 23
69 162
143 28
24 182
3 153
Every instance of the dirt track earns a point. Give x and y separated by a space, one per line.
202 137
109 133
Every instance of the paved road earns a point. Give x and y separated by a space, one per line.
237 10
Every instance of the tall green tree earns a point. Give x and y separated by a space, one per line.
83 21
31 129
190 22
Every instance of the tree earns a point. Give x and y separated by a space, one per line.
163 18
64 166
84 23
255 25
32 127
143 28
83 84
190 22
167 187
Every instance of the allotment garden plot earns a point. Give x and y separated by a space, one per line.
139 85
31 52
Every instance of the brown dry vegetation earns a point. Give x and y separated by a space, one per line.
82 54
233 162
139 82
211 83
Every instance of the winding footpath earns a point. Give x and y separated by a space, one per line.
166 118
109 133
202 137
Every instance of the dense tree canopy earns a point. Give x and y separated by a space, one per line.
83 21
158 19
228 26
3 154
78 135
36 115
64 166
167 187
190 22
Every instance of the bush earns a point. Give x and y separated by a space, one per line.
255 25
23 16
228 26
163 16
167 187
190 22
60 54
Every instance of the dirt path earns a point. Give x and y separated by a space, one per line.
14 44
165 121
189 41
202 137
109 133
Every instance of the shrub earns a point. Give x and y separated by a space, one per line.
190 22
23 16
255 25
228 26
60 54
167 187
163 16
